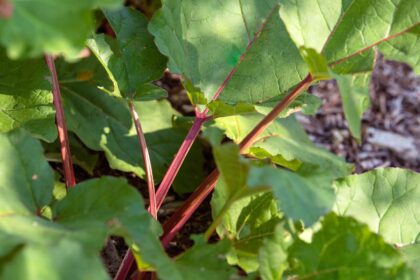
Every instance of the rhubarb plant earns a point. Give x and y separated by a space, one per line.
282 207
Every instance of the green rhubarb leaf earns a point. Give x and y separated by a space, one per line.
273 255
358 254
341 29
412 255
406 47
103 123
47 248
49 26
355 95
80 155
206 45
386 199
27 180
25 97
345 32
65 260
299 196
247 219
131 60
39 248
317 64
191 264
247 224
306 103
285 143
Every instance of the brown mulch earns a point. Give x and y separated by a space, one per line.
391 127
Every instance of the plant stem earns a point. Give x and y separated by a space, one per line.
146 159
173 169
61 125
128 260
198 123
249 140
125 266
181 216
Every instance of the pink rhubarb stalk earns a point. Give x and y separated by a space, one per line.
170 175
128 261
178 160
146 160
181 216
61 125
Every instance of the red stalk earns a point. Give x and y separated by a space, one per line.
181 216
61 125
170 175
128 261
146 160
178 160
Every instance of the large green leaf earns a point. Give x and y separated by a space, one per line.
192 266
131 60
206 45
27 180
386 199
404 48
250 220
65 259
80 155
286 144
412 254
25 97
340 29
273 255
49 26
82 220
103 122
345 32
300 197
345 249
67 245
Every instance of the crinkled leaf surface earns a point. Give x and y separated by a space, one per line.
27 180
49 26
131 60
285 143
412 254
67 246
247 223
80 155
103 122
345 32
273 255
82 220
205 45
358 254
405 48
340 29
248 219
205 261
25 97
386 199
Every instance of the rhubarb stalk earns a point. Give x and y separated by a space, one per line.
181 216
61 125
